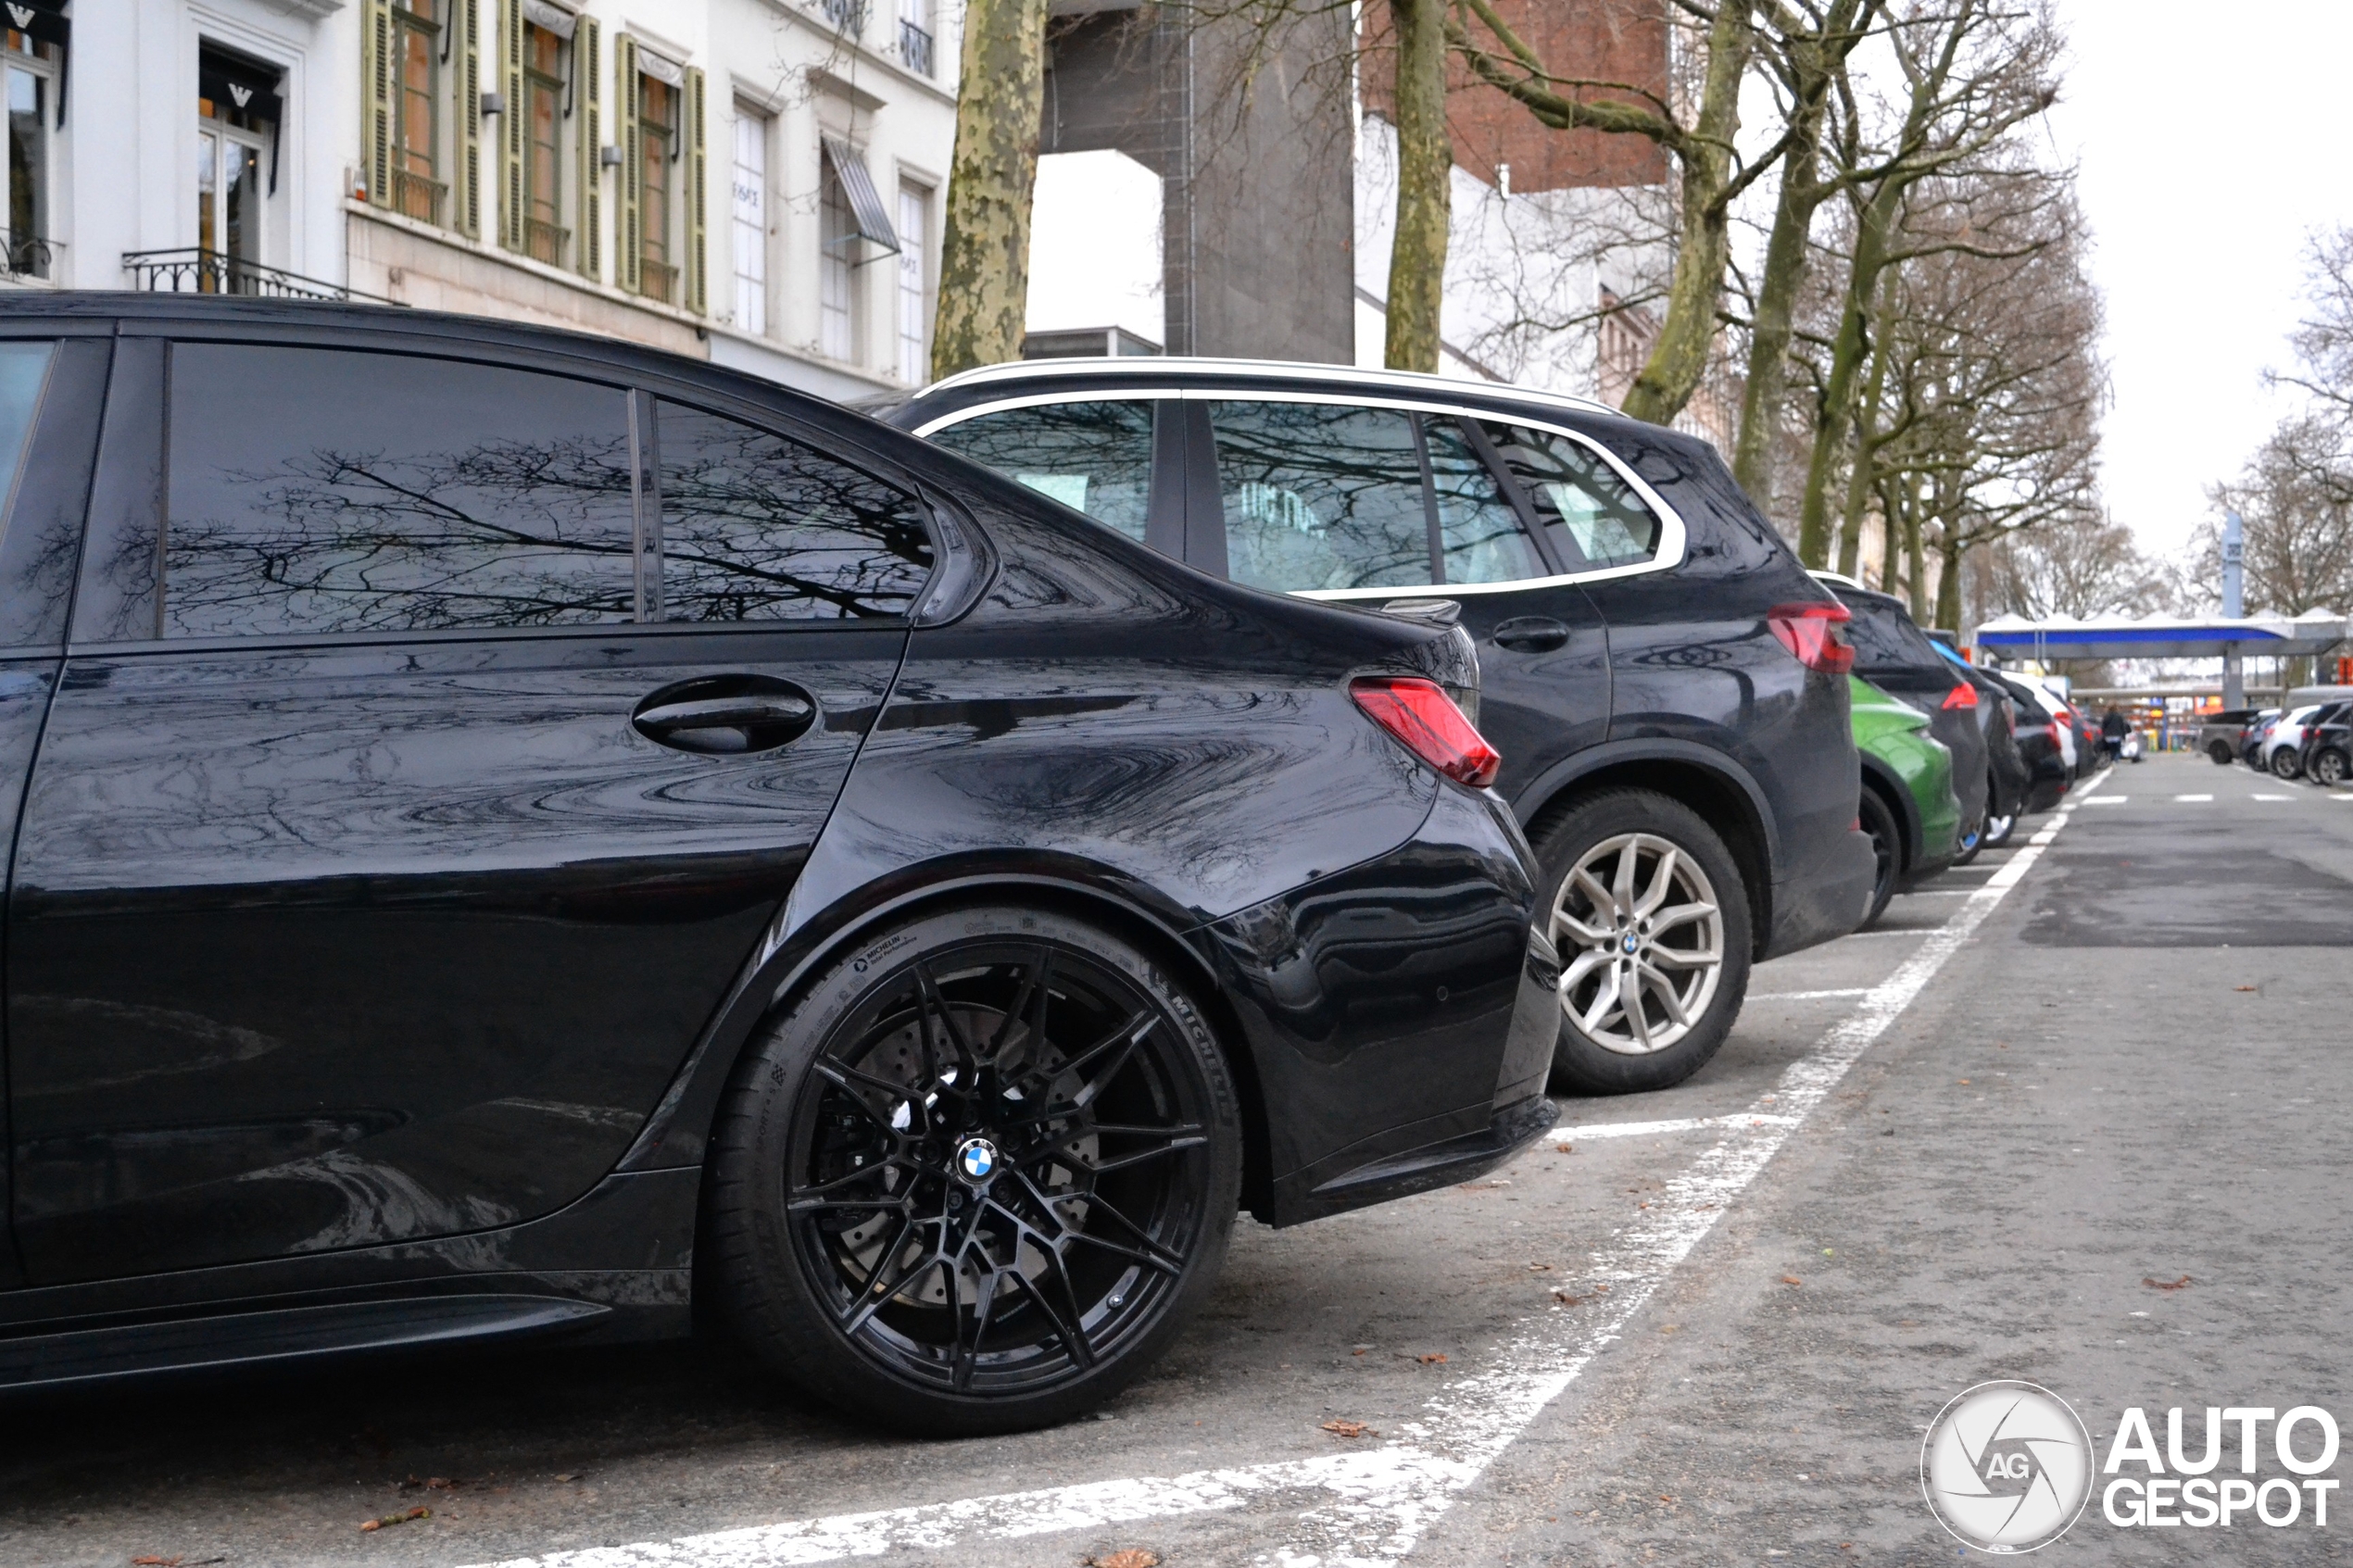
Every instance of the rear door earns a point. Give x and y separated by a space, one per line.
430 754
51 393
1369 504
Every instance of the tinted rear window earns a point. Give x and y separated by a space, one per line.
1885 638
1094 458
325 491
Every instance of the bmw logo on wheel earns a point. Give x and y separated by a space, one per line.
977 1158
1629 942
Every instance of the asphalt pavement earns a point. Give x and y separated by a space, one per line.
2074 1114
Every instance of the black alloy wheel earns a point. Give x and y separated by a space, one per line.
2221 752
1887 850
2329 766
1651 918
975 1179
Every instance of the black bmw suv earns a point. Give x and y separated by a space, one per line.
1666 684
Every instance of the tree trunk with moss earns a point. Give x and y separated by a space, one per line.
1816 63
1679 358
1948 585
984 251
1425 194
1862 474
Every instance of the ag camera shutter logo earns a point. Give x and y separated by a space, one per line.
2007 1467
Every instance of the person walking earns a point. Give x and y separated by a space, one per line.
2114 727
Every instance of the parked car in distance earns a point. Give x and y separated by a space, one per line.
1666 684
2222 735
2328 748
2280 752
2009 778
1895 655
2042 744
522 835
1908 807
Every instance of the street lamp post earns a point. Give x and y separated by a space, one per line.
2233 685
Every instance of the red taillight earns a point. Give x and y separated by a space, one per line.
1426 722
1815 635
1962 695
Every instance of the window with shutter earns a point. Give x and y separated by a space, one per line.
588 109
376 69
467 110
630 238
512 200
697 193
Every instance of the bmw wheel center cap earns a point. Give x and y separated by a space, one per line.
976 1159
1629 942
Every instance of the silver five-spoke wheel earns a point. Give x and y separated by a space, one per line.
1641 932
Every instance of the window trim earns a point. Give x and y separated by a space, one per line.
1674 536
121 418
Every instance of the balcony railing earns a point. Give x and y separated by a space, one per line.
414 195
27 255
848 16
658 279
195 271
914 47
545 241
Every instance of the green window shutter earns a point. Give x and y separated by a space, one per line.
696 181
587 98
375 96
628 91
511 125
469 121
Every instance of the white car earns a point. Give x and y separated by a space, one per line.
2055 697
2281 753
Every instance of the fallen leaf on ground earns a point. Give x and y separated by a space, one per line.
1791 1279
1565 1299
420 1512
567 1477
1126 1557
155 1563
1564 1148
1434 1357
1342 1428
1541 1268
2166 1284
1960 1080
2242 987
1357 1351
1663 1498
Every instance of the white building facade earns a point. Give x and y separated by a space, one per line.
755 182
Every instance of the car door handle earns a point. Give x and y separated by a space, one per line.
723 715
1530 633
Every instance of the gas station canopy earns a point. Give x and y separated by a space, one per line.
2162 636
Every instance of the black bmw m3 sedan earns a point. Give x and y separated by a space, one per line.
515 834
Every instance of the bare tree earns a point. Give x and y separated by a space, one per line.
1712 176
1805 51
1971 70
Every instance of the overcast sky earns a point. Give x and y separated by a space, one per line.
2212 140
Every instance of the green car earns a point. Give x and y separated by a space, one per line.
1908 807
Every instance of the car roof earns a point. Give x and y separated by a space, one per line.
1179 367
476 332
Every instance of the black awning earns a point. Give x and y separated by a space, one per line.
866 209
248 86
41 20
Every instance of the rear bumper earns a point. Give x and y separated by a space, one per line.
1828 903
1398 1015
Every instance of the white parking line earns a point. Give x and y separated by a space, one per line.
2194 797
2271 797
1805 995
1685 1124
1377 1504
2106 800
